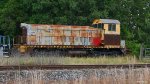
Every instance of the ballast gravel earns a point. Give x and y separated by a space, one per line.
65 74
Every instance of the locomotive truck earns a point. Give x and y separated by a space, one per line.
101 38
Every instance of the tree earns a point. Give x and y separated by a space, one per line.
134 15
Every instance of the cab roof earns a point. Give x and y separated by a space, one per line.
106 21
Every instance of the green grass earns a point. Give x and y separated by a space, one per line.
70 60
102 60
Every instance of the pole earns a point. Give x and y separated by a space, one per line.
141 51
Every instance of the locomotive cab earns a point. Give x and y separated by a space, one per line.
111 31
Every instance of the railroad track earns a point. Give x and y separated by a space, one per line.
61 67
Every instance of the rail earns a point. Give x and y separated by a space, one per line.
60 67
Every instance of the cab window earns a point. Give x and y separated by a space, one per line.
112 27
98 25
94 25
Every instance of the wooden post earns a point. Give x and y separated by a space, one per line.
141 51
145 52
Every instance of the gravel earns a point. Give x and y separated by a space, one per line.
46 75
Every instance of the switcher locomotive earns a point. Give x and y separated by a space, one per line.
101 38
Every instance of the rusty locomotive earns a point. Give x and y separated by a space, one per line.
101 38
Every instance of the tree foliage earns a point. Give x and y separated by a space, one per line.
134 15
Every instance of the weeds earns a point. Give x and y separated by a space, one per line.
99 76
68 60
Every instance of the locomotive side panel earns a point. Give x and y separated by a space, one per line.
61 35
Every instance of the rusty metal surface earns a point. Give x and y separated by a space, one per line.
111 39
58 35
59 67
38 34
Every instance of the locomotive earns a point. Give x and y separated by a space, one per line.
101 38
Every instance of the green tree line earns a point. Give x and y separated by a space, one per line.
134 16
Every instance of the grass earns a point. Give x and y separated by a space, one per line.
111 76
101 60
70 60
